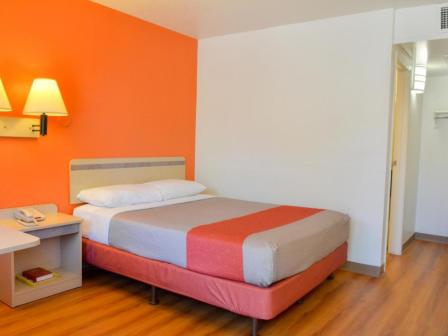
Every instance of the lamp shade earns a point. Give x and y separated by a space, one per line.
5 106
45 98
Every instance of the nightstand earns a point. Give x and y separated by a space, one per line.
59 251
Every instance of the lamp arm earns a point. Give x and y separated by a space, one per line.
43 125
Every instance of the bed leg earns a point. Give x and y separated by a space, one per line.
301 301
331 276
254 327
154 300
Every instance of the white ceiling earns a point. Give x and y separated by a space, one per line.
208 18
435 50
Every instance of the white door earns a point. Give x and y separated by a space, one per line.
398 168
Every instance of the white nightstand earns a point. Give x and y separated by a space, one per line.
59 250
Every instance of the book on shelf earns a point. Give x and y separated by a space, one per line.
55 277
37 274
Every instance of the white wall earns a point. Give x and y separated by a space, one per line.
412 165
432 210
299 115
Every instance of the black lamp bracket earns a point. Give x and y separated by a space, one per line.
43 125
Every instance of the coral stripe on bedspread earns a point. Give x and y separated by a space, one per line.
217 249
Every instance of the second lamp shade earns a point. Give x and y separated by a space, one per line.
45 98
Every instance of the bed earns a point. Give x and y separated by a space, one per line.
251 258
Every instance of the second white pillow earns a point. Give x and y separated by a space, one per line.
177 188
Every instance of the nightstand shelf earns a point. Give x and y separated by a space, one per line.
59 251
22 288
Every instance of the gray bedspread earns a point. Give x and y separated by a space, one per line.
244 241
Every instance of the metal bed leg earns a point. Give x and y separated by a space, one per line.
331 276
154 300
254 327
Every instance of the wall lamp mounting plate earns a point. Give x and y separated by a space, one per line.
18 127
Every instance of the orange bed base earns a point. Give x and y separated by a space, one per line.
241 298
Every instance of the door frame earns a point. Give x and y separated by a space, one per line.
393 235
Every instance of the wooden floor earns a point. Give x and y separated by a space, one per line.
411 299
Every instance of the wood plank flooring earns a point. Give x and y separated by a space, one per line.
411 299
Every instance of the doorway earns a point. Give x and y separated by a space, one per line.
417 182
399 155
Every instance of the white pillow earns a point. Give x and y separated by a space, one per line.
177 188
120 195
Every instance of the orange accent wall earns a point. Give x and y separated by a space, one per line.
129 87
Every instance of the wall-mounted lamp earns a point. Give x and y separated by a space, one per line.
45 100
5 106
419 81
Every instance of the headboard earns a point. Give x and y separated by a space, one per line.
91 173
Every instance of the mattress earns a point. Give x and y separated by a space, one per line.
250 242
96 220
